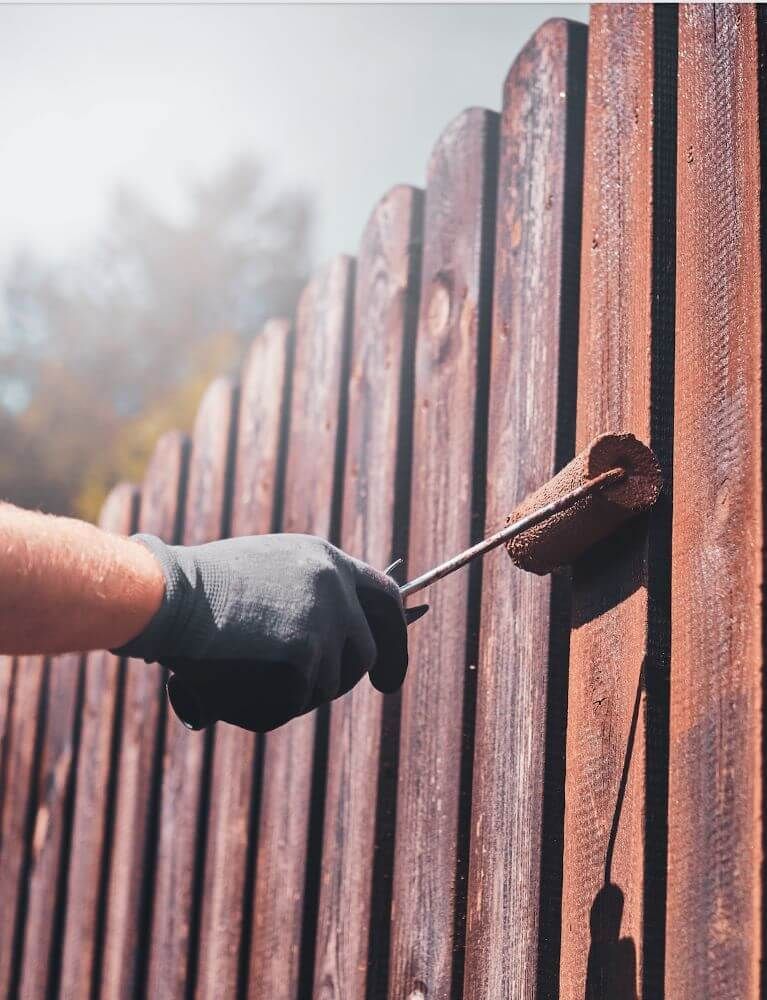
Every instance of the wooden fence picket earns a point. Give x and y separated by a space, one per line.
50 837
94 782
23 733
173 944
616 719
352 943
129 890
289 837
447 513
235 773
716 921
518 788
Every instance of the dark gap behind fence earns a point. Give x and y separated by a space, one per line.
656 670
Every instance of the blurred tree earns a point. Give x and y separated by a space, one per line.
99 356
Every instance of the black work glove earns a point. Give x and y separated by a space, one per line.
258 630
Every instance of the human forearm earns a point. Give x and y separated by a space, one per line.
66 585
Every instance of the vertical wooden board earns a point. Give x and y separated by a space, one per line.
281 954
517 791
229 850
715 930
172 943
143 725
51 830
447 514
20 772
612 909
93 781
7 674
351 955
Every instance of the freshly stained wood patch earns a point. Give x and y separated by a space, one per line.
130 890
227 896
173 945
289 838
446 515
352 943
518 788
715 931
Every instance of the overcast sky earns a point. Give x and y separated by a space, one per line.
340 101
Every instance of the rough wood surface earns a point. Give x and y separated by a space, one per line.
49 847
715 930
230 850
447 513
612 915
284 908
173 948
128 906
352 941
518 787
93 791
18 797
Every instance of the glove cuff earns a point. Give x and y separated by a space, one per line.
174 615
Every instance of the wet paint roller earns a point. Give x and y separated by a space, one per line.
612 480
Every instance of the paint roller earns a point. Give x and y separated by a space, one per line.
612 480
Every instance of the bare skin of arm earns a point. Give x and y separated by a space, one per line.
67 586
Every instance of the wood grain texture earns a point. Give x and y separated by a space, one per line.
128 905
352 943
447 514
518 787
229 846
716 827
93 787
51 831
284 916
173 945
612 919
24 727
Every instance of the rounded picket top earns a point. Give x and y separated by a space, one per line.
544 55
120 508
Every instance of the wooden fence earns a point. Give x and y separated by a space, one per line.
566 798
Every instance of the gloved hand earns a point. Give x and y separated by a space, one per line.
258 630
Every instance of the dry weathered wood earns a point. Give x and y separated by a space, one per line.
51 831
172 943
18 796
93 785
613 888
128 905
715 929
230 850
518 788
284 914
447 513
352 939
